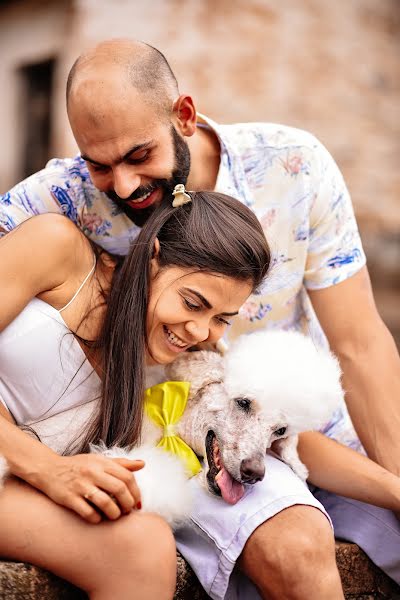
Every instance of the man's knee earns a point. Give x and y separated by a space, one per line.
292 544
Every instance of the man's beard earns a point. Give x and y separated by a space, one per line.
180 174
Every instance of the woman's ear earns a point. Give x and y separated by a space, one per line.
154 266
156 248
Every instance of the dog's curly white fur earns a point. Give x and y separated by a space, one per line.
162 482
269 387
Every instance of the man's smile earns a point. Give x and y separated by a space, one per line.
146 200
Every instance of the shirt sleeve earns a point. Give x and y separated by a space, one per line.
335 251
48 190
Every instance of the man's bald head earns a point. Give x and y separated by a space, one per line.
119 66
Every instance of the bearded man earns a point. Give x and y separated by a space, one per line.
138 137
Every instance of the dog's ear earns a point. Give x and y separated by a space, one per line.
198 368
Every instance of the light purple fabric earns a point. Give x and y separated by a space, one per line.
214 540
375 530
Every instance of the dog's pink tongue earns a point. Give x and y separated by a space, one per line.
231 490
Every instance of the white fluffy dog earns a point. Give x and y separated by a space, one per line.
269 387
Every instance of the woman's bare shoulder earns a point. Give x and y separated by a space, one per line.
41 254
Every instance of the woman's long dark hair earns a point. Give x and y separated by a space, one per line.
213 233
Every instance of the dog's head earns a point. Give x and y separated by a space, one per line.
269 386
212 425
293 383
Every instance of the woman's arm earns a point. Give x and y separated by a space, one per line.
344 471
45 254
67 479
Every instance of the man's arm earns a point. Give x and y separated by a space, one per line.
55 188
370 363
341 470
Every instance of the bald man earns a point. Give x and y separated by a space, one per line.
138 137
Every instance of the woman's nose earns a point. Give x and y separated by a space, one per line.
198 330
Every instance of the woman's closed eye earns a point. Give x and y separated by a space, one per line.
222 321
196 307
191 305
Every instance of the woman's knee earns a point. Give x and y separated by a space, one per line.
145 542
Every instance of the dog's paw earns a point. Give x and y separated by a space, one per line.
299 468
286 448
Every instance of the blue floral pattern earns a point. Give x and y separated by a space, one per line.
290 181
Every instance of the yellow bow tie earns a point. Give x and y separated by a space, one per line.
165 404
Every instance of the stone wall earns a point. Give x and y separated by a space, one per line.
331 68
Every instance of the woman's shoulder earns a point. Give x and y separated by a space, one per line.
55 239
40 255
52 229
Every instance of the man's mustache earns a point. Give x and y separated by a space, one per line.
139 192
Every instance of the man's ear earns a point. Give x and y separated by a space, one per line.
154 265
185 116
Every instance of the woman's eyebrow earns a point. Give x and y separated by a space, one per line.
207 304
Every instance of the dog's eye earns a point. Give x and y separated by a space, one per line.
243 403
281 431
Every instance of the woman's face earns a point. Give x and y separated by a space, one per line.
188 307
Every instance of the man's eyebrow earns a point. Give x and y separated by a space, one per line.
208 305
135 148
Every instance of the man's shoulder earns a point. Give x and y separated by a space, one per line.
261 135
58 172
276 154
65 168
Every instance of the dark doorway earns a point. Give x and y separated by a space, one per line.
36 115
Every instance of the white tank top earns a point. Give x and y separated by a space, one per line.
46 381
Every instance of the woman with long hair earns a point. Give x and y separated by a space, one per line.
76 336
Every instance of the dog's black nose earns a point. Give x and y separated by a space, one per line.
252 470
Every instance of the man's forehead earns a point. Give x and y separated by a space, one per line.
115 134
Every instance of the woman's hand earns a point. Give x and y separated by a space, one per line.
89 483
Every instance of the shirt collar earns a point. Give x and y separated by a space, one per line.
231 178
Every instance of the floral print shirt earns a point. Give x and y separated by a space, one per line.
291 182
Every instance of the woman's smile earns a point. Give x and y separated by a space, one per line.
176 343
187 307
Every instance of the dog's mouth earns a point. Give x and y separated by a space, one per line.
219 480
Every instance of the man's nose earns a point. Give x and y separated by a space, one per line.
126 181
198 330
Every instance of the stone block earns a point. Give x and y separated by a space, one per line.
361 580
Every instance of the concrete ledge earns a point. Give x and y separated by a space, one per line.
361 580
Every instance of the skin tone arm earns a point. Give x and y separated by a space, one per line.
344 471
37 257
370 364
